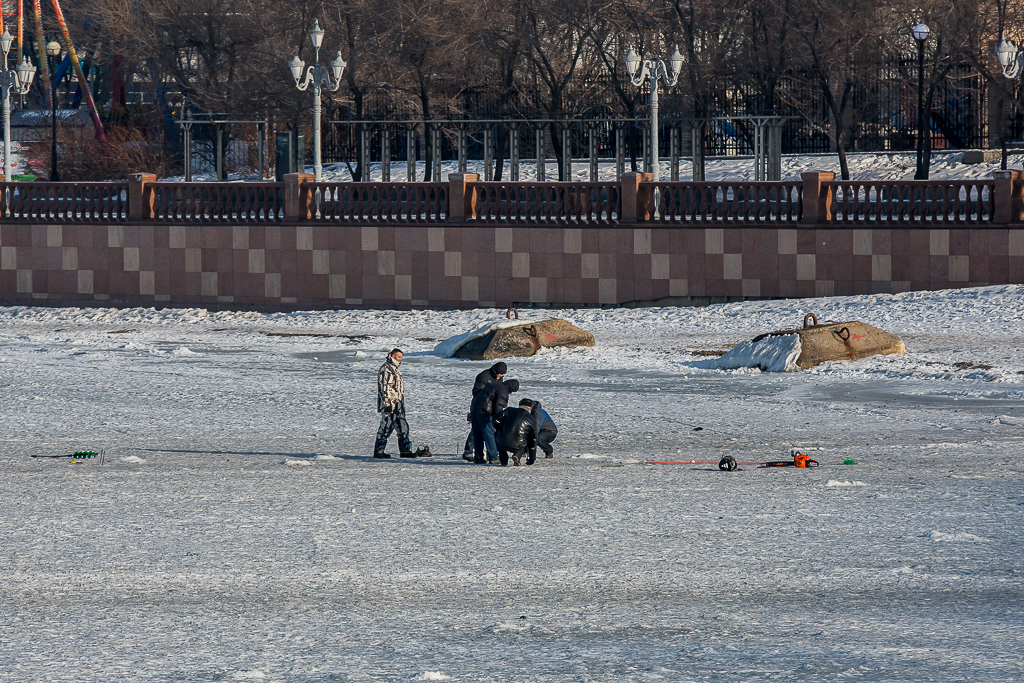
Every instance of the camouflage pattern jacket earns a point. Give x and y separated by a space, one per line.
389 386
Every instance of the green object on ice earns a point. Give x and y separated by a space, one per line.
84 454
849 461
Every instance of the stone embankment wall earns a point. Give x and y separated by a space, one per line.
294 266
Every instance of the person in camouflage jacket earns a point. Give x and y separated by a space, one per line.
391 406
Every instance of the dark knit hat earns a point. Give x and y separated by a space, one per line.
499 368
512 385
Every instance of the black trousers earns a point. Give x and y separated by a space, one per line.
388 423
516 456
544 440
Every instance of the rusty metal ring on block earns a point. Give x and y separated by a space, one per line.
810 316
510 311
843 333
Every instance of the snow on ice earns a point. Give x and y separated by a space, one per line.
777 353
218 560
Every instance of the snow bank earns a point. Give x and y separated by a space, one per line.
448 347
432 676
132 459
863 166
770 354
836 482
296 463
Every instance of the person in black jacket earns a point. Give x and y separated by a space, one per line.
489 376
515 433
546 428
488 402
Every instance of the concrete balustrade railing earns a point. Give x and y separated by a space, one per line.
65 202
379 202
957 202
726 202
817 199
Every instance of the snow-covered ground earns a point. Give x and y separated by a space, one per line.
238 529
863 166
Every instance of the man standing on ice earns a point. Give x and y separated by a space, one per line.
391 406
489 376
487 403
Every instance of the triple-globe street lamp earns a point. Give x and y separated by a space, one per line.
19 81
643 69
317 75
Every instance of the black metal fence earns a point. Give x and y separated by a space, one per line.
881 116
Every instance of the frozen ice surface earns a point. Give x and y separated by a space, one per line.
213 561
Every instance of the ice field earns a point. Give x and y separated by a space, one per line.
239 529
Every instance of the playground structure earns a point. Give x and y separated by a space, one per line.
219 150
15 9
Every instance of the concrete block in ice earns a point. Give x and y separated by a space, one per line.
805 347
508 338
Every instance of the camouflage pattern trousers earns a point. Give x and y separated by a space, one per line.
389 421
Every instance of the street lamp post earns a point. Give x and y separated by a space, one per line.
1012 63
317 75
53 51
643 69
923 120
19 81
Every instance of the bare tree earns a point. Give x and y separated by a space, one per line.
431 41
557 53
835 35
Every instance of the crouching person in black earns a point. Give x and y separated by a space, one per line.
547 431
515 431
487 403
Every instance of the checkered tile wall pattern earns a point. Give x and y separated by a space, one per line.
295 266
